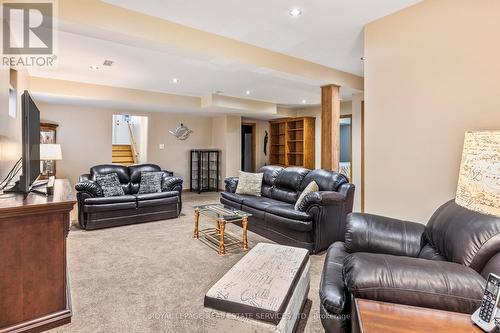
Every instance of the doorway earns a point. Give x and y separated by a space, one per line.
248 147
129 139
345 166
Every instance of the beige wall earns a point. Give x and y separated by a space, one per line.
85 136
431 74
226 136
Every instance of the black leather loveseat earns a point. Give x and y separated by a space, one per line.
441 265
318 223
96 211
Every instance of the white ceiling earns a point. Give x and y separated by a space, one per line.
329 32
263 23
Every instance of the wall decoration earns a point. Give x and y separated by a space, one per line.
181 132
266 138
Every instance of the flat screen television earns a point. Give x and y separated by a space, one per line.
30 145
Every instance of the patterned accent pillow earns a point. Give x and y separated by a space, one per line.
249 183
310 188
150 182
110 185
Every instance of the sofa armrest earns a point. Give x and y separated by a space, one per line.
413 281
329 210
168 173
84 177
171 184
231 184
90 187
378 234
322 198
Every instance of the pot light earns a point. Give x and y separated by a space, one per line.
94 68
175 80
363 58
247 92
295 12
304 101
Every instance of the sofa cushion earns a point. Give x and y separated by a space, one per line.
270 172
233 197
287 184
413 281
110 185
332 291
150 182
109 200
281 222
171 200
249 183
327 180
310 188
154 196
288 211
102 204
259 202
120 170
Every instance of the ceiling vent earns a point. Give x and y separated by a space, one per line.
108 63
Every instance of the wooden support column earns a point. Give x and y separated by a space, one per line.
330 127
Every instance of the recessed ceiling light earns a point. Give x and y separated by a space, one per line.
247 92
363 58
94 68
304 101
175 80
295 12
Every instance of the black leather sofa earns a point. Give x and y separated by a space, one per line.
318 224
96 211
441 265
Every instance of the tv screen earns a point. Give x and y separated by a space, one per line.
30 144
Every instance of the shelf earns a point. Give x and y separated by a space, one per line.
295 129
295 140
297 153
278 144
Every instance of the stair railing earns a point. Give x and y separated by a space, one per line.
133 143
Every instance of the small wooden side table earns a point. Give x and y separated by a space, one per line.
380 317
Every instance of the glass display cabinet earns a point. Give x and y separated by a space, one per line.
205 170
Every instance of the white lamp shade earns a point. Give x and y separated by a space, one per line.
479 179
50 152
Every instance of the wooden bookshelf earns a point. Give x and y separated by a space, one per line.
292 142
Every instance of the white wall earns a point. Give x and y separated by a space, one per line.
431 74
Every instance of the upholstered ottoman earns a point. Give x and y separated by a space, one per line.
263 292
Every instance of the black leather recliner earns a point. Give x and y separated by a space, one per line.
441 265
96 211
318 223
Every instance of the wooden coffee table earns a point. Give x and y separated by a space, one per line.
380 317
218 238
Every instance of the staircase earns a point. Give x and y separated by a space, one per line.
122 154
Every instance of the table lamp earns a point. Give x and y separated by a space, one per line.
479 179
48 153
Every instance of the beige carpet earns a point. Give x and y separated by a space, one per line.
152 277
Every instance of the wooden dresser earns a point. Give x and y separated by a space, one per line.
34 289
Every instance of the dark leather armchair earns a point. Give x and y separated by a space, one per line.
96 211
441 265
320 220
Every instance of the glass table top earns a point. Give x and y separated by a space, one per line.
219 211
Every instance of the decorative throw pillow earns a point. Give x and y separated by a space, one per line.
150 182
249 183
311 187
110 185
